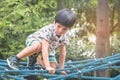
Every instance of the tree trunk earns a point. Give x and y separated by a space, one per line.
102 32
118 17
60 4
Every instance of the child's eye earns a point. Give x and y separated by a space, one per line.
65 29
58 26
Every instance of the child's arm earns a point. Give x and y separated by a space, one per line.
62 57
45 45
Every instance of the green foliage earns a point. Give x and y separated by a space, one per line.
115 43
80 49
86 13
19 18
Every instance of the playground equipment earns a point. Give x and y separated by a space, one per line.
75 69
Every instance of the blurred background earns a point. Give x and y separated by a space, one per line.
19 18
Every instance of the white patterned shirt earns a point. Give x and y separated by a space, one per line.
48 33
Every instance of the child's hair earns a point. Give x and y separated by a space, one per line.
65 17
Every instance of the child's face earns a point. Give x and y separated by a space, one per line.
60 29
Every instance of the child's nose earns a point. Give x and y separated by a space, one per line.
60 30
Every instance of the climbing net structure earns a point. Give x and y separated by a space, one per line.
75 69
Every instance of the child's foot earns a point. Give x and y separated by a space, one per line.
13 62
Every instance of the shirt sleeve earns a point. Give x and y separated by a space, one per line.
65 41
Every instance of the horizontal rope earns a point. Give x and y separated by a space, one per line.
75 69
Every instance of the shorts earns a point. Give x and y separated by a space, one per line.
32 41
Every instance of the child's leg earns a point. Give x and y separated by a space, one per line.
34 47
54 65
30 50
52 59
31 60
40 61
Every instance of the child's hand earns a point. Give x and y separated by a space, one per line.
63 72
50 70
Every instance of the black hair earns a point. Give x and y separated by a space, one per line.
65 17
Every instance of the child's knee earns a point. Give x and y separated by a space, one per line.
54 65
38 47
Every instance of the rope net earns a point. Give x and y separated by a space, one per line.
76 69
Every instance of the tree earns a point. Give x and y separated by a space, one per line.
115 16
102 32
60 4
19 18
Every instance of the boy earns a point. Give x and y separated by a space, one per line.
46 40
